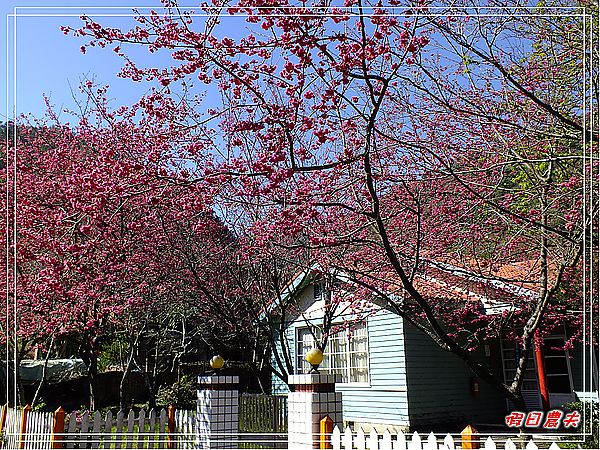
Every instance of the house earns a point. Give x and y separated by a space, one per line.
395 377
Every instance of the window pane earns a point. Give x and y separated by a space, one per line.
554 347
338 361
559 384
318 291
346 354
359 375
556 366
336 345
358 360
305 341
358 344
359 364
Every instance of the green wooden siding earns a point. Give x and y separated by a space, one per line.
384 400
412 382
439 386
279 387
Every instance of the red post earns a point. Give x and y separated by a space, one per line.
23 434
171 427
469 438
58 428
541 372
326 428
3 417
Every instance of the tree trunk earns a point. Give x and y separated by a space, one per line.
44 374
519 402
89 357
123 398
147 382
150 387
93 381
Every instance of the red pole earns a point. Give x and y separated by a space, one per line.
3 417
541 373
58 428
325 428
23 434
171 426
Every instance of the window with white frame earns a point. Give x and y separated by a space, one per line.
346 353
556 366
319 290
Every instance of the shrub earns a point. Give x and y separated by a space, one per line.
182 394
589 411
40 405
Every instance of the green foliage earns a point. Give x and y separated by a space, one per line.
182 394
113 353
589 411
40 405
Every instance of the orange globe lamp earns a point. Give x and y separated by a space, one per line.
217 362
314 357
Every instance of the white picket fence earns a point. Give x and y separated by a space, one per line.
38 429
12 428
149 429
93 430
349 440
185 427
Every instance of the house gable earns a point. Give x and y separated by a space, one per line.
383 399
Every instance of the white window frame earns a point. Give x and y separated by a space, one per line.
346 384
567 357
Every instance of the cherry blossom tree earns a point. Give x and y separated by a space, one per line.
418 142
89 246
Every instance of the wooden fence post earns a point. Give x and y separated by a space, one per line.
470 438
58 428
326 428
171 426
3 417
275 414
23 433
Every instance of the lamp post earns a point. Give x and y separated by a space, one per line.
314 357
218 408
312 396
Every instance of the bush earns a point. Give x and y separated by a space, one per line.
40 405
113 354
590 425
182 394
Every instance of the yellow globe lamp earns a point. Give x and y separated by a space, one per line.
314 357
217 362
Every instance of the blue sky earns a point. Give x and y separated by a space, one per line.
48 62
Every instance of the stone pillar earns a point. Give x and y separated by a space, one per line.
217 419
312 397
